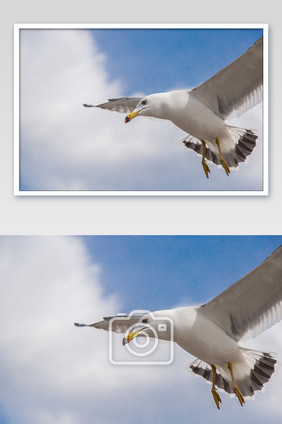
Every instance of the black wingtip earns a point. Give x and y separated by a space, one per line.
86 105
80 325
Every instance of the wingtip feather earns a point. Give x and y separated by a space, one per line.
77 324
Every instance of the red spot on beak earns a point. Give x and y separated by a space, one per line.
127 119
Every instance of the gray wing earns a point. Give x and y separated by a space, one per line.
237 87
119 323
122 104
252 304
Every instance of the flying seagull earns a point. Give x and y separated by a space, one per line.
212 332
202 112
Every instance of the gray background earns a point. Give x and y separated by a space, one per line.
120 215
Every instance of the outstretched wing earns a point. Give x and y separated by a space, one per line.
237 87
118 323
252 304
122 104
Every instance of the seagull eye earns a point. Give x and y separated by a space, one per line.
145 320
144 102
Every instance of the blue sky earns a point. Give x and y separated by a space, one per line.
158 272
55 372
64 146
150 60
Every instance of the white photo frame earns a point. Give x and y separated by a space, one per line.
18 191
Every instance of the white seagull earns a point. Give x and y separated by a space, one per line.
202 112
212 332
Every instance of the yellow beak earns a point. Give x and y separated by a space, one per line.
131 115
131 336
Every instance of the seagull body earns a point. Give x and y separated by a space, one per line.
202 112
194 323
212 332
205 340
184 109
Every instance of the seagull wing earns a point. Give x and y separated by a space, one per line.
252 304
122 104
237 87
117 323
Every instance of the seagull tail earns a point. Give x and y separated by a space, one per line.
257 371
244 141
244 144
204 370
194 144
261 367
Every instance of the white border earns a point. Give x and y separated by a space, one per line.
126 193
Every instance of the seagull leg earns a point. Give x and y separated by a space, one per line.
204 163
235 387
215 394
223 163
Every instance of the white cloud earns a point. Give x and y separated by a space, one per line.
65 146
46 284
53 371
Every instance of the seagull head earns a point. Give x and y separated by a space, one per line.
141 326
142 108
152 105
154 325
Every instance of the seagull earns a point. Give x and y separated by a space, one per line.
202 111
212 332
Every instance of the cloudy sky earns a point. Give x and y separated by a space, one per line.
52 371
64 146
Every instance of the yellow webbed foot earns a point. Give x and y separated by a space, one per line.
235 387
223 163
216 397
239 395
215 394
206 168
225 166
204 163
